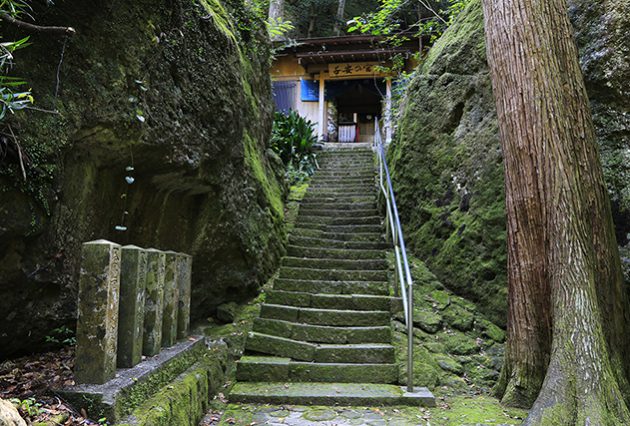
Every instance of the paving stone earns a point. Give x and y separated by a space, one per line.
97 322
319 415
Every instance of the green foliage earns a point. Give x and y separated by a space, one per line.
292 138
11 97
318 18
278 27
28 407
398 19
61 336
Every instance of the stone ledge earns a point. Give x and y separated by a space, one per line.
351 394
132 386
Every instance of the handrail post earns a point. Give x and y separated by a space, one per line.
393 226
410 338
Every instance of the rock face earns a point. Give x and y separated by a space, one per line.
447 163
164 115
9 416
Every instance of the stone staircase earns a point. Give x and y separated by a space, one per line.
324 333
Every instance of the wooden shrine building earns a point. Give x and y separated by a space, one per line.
340 83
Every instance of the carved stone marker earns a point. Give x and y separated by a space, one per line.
154 302
133 274
171 291
97 323
184 276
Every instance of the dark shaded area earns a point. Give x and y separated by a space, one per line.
180 93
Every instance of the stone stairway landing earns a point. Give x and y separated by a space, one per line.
324 332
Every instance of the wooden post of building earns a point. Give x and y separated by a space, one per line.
388 111
322 107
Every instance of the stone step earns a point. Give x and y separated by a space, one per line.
322 333
332 287
274 369
345 160
361 353
333 243
329 253
331 205
338 199
326 214
332 220
327 227
333 317
366 302
332 274
339 264
341 188
357 168
340 193
346 394
325 180
342 176
338 236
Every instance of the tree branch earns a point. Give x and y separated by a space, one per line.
31 28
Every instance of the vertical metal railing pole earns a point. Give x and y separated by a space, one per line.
398 240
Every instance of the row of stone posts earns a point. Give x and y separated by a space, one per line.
132 302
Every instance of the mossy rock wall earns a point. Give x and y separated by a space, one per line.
179 90
446 157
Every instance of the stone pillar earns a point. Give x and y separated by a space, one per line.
153 302
133 274
184 283
171 291
97 322
321 107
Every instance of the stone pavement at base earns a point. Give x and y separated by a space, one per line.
322 416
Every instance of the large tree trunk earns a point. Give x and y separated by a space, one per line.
276 13
560 229
341 10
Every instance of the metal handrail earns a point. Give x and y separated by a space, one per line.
394 228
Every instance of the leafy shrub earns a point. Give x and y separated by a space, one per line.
292 138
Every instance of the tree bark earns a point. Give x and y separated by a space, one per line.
276 12
563 258
341 10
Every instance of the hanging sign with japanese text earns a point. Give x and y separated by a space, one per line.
355 69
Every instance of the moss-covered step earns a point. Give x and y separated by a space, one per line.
341 202
308 211
331 253
378 353
332 204
337 236
365 302
119 396
273 369
322 333
304 351
332 274
332 287
184 400
316 316
322 181
341 264
351 394
364 173
329 227
317 185
333 220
